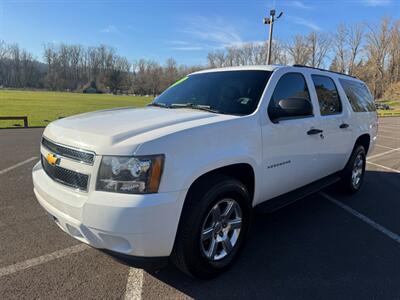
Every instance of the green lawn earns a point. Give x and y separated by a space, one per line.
394 111
44 107
389 113
391 103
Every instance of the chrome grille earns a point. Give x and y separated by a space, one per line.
65 176
75 154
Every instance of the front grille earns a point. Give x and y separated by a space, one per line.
65 176
75 154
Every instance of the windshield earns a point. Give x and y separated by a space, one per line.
229 92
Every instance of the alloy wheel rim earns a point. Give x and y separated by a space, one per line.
358 170
221 229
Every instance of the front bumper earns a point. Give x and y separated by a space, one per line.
137 225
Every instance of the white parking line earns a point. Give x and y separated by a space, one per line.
17 165
41 259
390 131
388 137
383 167
134 284
386 147
390 125
364 218
384 153
393 126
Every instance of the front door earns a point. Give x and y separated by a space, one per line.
291 147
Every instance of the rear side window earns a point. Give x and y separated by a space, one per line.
328 96
359 96
290 85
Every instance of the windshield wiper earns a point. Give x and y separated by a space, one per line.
186 105
158 104
195 106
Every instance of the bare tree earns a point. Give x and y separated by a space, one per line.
366 50
319 45
299 51
246 54
355 39
216 59
340 42
170 73
378 42
394 53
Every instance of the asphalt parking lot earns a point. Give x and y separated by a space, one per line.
327 246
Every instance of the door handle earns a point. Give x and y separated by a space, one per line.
314 131
344 126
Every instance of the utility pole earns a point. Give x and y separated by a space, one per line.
270 21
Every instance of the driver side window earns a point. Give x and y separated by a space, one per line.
290 85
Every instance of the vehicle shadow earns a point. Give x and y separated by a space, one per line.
310 249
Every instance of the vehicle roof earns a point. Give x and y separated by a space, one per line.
241 68
271 68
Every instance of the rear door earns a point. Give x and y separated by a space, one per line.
334 120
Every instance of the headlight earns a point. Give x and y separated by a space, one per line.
130 175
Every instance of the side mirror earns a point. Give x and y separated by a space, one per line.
291 107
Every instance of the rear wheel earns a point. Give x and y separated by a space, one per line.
353 173
213 227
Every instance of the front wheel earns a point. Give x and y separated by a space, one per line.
213 227
221 230
353 173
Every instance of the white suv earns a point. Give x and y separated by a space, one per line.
180 178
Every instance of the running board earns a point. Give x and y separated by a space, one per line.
298 194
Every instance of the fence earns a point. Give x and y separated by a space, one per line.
24 118
389 114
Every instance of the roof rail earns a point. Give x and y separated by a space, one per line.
303 66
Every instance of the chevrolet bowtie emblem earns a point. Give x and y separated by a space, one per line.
52 159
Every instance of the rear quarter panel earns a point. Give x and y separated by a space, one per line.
361 122
366 123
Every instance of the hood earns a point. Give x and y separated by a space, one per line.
99 130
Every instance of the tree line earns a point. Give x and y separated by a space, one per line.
76 68
369 51
366 50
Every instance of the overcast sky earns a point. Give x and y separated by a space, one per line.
183 29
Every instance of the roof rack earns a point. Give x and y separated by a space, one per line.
319 69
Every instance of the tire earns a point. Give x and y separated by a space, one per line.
198 229
352 176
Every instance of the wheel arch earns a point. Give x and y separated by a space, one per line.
192 206
363 140
244 172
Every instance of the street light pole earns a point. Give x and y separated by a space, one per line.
270 21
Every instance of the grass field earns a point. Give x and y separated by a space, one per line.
395 111
44 107
389 113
